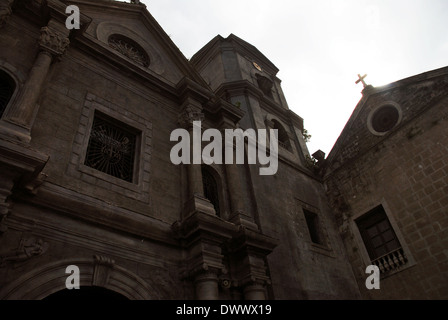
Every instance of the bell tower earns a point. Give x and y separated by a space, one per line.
240 74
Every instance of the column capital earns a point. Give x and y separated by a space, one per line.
5 11
206 274
189 114
53 41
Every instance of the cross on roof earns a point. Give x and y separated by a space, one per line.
361 79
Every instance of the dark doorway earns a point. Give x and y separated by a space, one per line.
86 293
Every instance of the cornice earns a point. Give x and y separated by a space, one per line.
86 208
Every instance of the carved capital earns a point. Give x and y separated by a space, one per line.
53 42
5 12
189 114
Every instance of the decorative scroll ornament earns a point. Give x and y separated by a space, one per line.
53 42
130 49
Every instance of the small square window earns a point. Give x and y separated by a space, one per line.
111 148
312 222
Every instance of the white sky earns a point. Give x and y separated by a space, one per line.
320 46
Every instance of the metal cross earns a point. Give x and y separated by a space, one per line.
361 79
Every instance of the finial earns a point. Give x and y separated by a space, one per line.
361 79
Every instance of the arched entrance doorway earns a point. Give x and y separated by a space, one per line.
98 276
86 294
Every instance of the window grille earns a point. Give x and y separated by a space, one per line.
111 149
130 49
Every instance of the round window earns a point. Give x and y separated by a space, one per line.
384 118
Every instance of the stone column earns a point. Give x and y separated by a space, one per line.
53 42
206 286
5 11
189 114
255 291
235 187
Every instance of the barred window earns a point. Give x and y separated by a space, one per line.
210 189
380 240
129 48
7 87
112 148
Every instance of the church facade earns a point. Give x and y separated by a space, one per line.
87 182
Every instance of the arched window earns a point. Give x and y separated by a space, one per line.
210 189
129 48
283 138
7 88
265 85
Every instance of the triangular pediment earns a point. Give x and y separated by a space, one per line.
133 21
385 111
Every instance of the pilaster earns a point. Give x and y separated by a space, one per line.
53 43
203 236
248 251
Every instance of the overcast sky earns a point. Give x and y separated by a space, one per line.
320 46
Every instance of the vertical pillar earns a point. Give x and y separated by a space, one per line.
255 291
23 113
53 42
206 286
235 187
235 190
190 113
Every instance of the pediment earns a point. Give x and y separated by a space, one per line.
139 34
383 111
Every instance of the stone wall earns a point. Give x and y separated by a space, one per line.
78 216
405 171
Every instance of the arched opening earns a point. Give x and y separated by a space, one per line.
283 138
40 283
7 88
129 48
211 189
86 294
265 85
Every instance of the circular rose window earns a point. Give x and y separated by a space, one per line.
384 118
